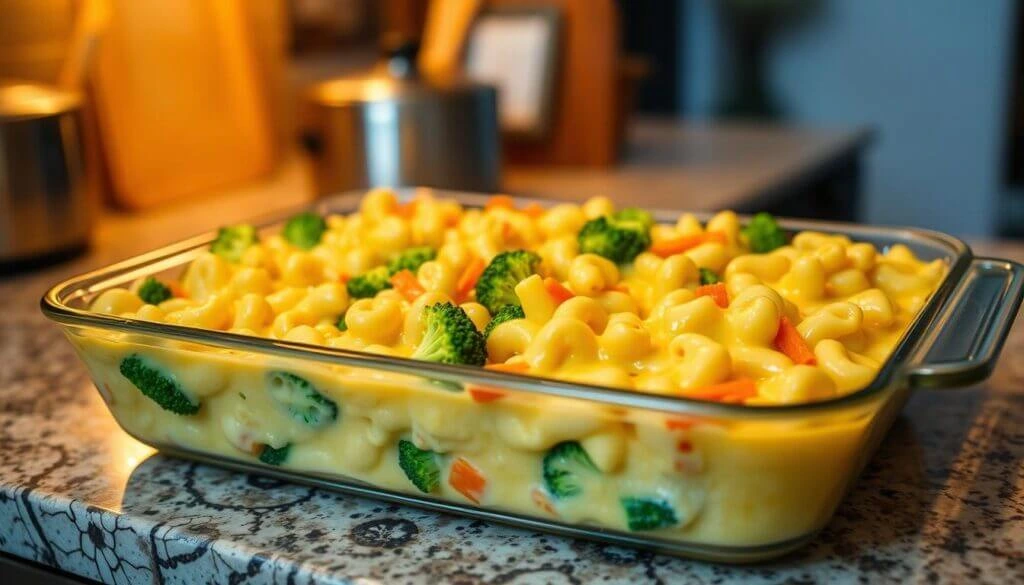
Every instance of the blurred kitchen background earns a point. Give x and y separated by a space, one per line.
867 110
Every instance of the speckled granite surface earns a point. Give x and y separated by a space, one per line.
943 500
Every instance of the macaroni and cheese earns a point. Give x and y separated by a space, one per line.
727 311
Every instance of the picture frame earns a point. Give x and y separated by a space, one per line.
517 49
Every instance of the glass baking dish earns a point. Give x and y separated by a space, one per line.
751 482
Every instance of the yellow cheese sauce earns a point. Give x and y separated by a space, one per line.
811 319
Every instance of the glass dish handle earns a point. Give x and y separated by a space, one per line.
965 339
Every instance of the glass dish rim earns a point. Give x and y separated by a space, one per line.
56 310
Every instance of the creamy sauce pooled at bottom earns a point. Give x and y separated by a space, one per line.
723 482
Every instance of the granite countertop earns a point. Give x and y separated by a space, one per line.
942 501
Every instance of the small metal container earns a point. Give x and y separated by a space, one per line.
391 129
44 209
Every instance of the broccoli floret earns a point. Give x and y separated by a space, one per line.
446 385
340 323
305 230
272 456
232 241
764 234
411 259
648 513
369 283
496 286
708 276
157 385
563 468
419 466
619 240
506 313
301 400
153 292
450 337
641 217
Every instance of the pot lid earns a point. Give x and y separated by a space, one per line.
393 79
26 99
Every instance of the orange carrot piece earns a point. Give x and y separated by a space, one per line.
534 210
557 290
407 209
680 244
498 202
680 423
789 341
467 480
716 291
344 277
177 291
467 280
733 390
687 422
512 368
540 499
406 283
484 395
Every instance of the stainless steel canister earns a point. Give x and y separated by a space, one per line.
396 130
44 207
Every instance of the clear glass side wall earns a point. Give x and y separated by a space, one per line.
720 481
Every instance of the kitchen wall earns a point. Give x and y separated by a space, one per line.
929 75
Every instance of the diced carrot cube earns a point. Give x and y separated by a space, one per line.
406 283
557 290
485 395
467 280
467 480
716 291
733 390
789 341
500 202
680 244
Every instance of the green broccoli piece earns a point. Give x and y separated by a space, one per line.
419 466
496 287
619 240
648 513
411 259
305 230
446 385
369 283
301 400
157 385
450 337
506 313
563 468
340 323
641 217
153 292
232 241
272 456
764 234
708 276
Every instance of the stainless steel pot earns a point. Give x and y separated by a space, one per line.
392 129
44 208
